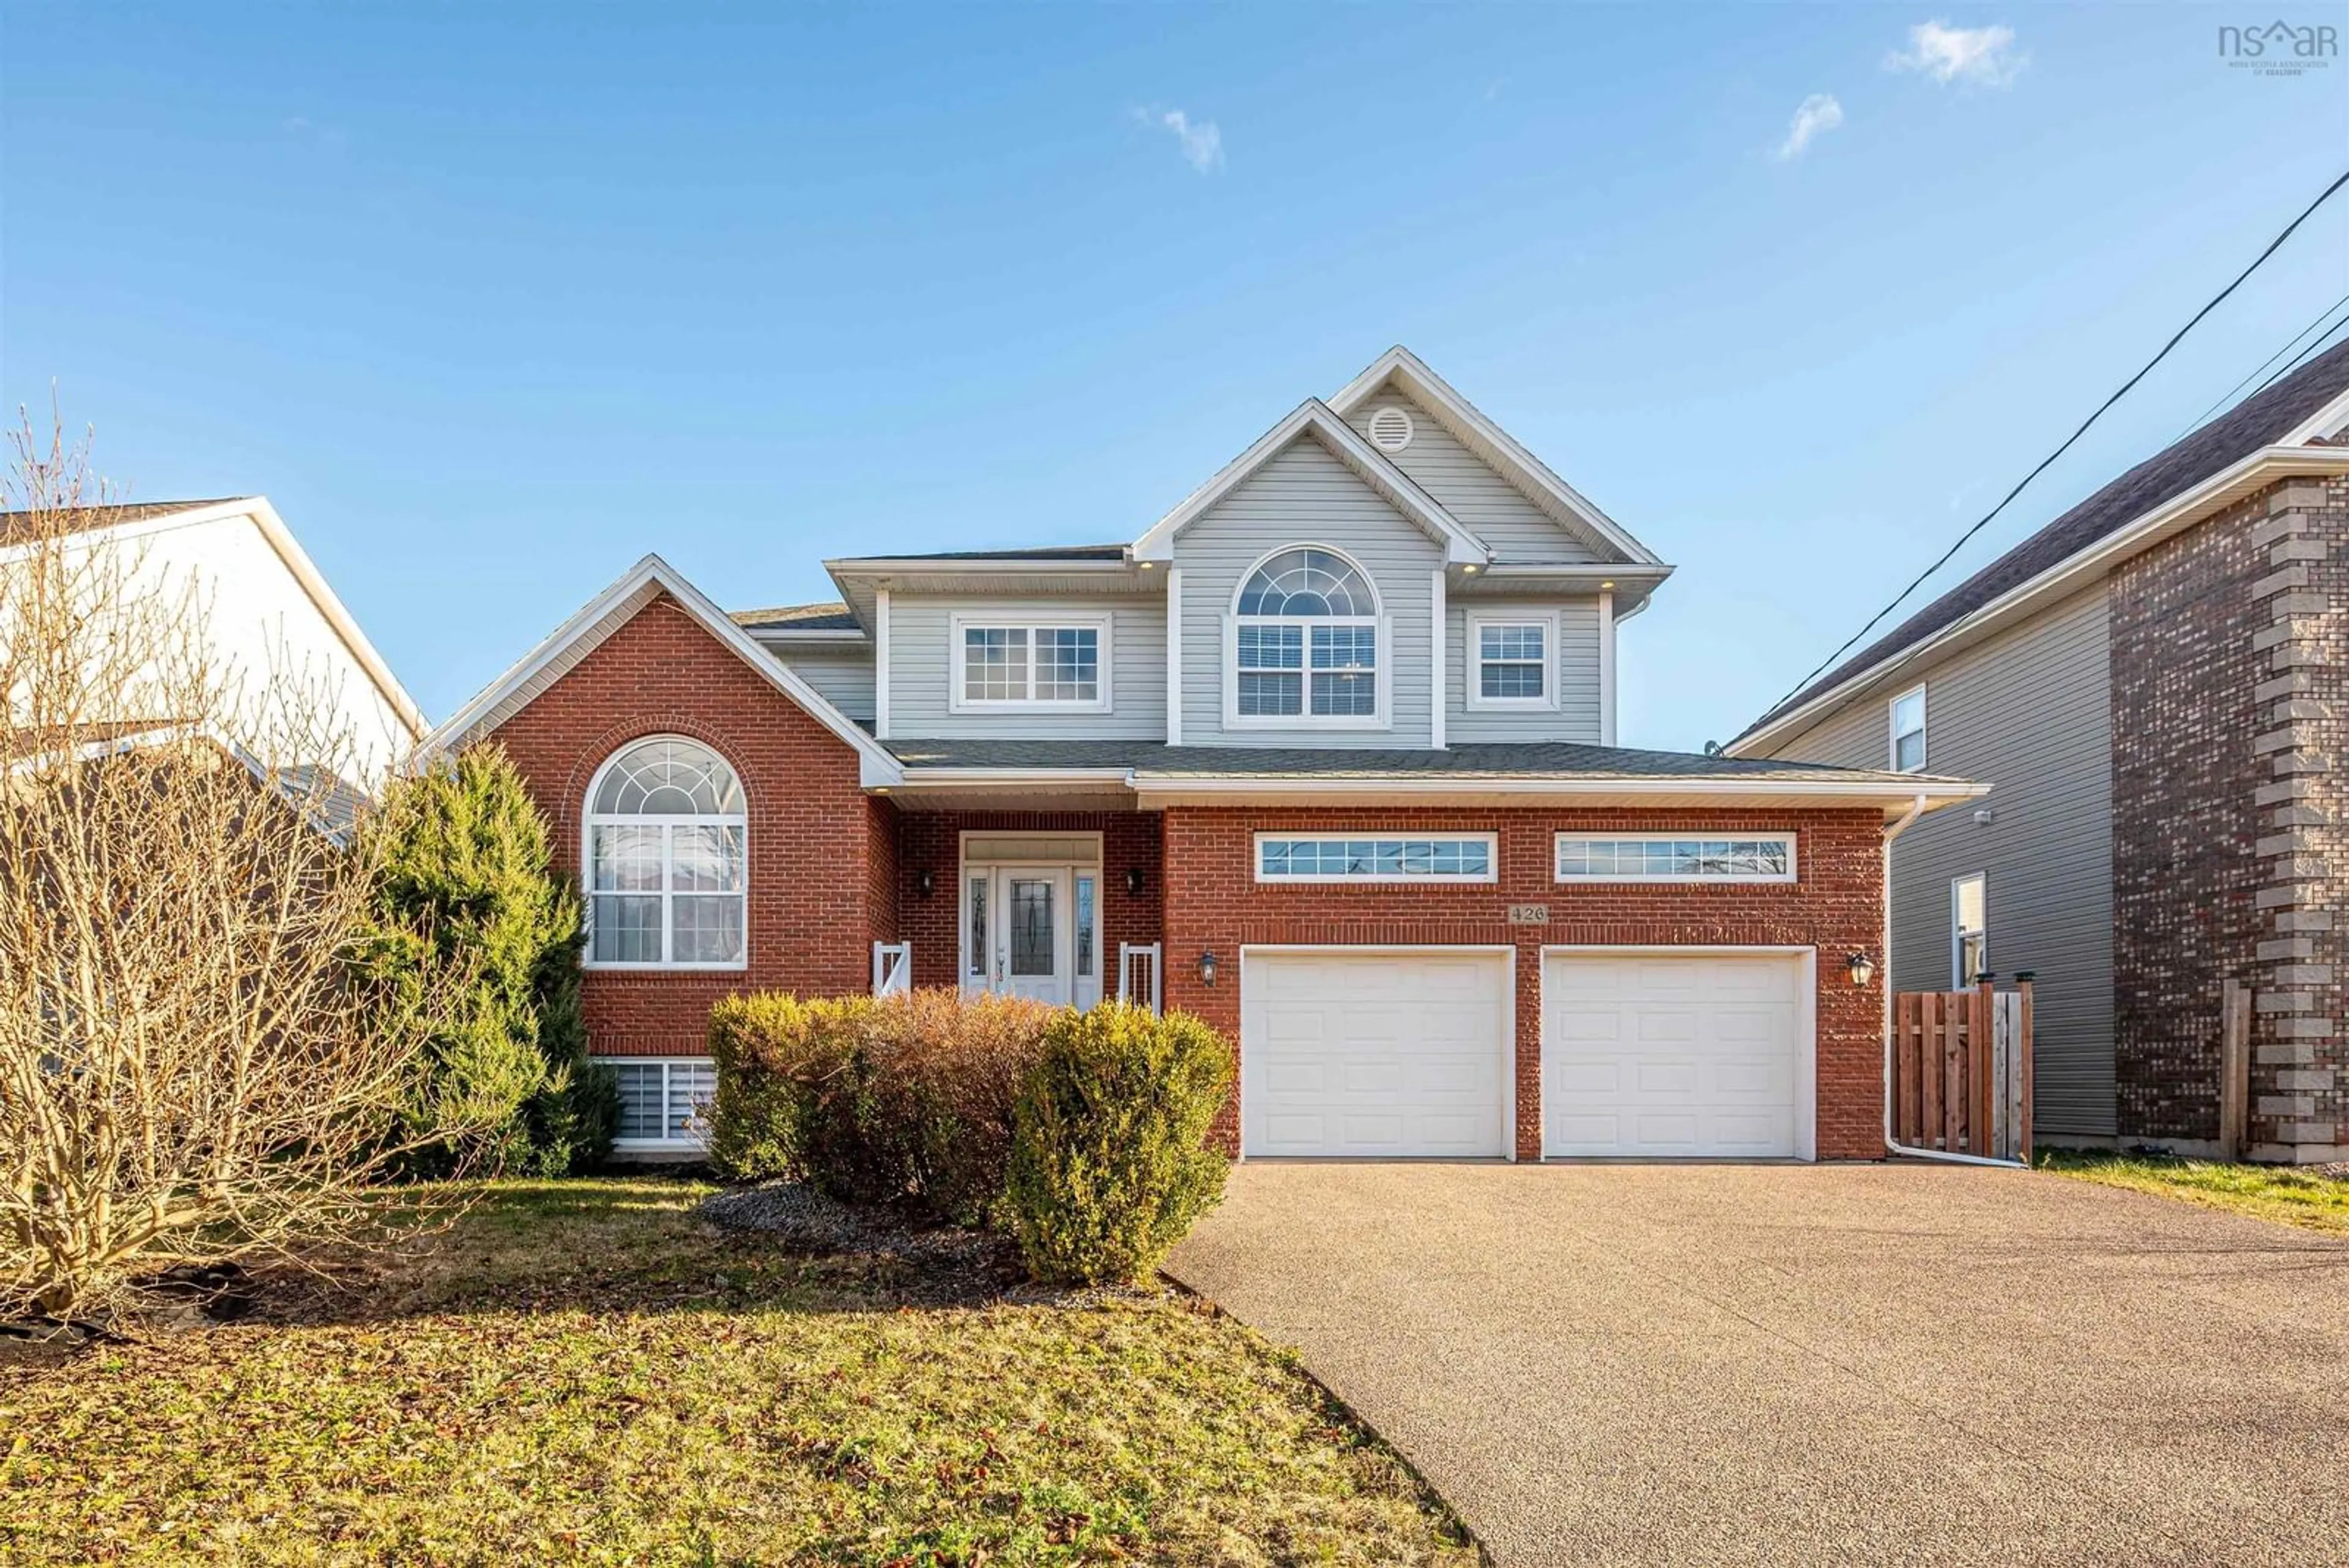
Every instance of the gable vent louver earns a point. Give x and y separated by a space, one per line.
1391 429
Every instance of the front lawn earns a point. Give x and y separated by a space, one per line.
2312 1201
586 1372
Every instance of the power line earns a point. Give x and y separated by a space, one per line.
2228 395
2048 462
2301 357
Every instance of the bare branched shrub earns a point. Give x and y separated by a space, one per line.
190 1068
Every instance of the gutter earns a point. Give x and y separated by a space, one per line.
1894 830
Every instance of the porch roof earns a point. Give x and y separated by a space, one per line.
1559 772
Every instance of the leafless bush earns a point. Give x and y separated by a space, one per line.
189 1070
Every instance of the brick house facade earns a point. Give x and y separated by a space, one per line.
1310 722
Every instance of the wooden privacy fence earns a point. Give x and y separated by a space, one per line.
1962 1071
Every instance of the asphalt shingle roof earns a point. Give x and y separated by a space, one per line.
1486 760
82 519
2258 420
832 616
1045 553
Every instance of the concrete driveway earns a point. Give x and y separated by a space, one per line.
1789 1364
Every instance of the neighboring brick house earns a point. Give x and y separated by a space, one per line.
2154 686
1324 755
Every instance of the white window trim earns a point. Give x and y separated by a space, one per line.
1892 731
1474 695
1492 872
958 702
1382 675
649 1145
1959 979
590 819
1558 842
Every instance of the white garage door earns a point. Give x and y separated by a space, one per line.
1375 1052
1663 1055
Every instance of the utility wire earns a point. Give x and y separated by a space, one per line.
2301 357
2228 396
2047 462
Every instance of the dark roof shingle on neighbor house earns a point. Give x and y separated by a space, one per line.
2258 420
1498 760
84 519
1041 552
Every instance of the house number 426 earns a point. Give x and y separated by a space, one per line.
1529 914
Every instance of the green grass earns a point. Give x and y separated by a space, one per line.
2265 1193
584 1372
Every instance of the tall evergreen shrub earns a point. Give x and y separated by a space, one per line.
465 908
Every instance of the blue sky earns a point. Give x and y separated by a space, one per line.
491 300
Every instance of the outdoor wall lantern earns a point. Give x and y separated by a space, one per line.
926 883
1207 966
1862 967
1133 879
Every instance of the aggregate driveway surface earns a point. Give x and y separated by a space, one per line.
1786 1364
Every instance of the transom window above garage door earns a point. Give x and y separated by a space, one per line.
1455 857
1671 857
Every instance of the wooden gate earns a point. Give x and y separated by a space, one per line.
1962 1071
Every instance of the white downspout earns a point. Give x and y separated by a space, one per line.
1906 820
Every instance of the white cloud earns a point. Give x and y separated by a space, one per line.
1983 57
1202 142
1818 113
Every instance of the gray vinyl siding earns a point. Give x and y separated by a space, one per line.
2031 715
1574 668
921 669
1486 504
1305 496
843 675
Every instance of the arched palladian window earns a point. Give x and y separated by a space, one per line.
665 873
1307 639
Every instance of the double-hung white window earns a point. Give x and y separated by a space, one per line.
667 875
1908 731
1305 632
1056 666
662 1102
1514 661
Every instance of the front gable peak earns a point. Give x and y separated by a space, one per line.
1405 373
1315 421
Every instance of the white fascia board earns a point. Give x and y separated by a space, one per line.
1891 798
1316 418
784 637
2182 510
1431 390
876 766
257 510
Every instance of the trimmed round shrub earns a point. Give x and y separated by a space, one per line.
1109 1165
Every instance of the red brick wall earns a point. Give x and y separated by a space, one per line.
1212 901
811 836
931 841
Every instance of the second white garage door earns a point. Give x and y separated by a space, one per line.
1375 1052
1656 1055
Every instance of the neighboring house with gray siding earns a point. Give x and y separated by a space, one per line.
2153 685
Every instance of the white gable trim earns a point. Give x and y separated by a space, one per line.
647 576
1315 418
2320 424
1566 505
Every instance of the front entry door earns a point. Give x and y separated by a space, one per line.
1018 932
